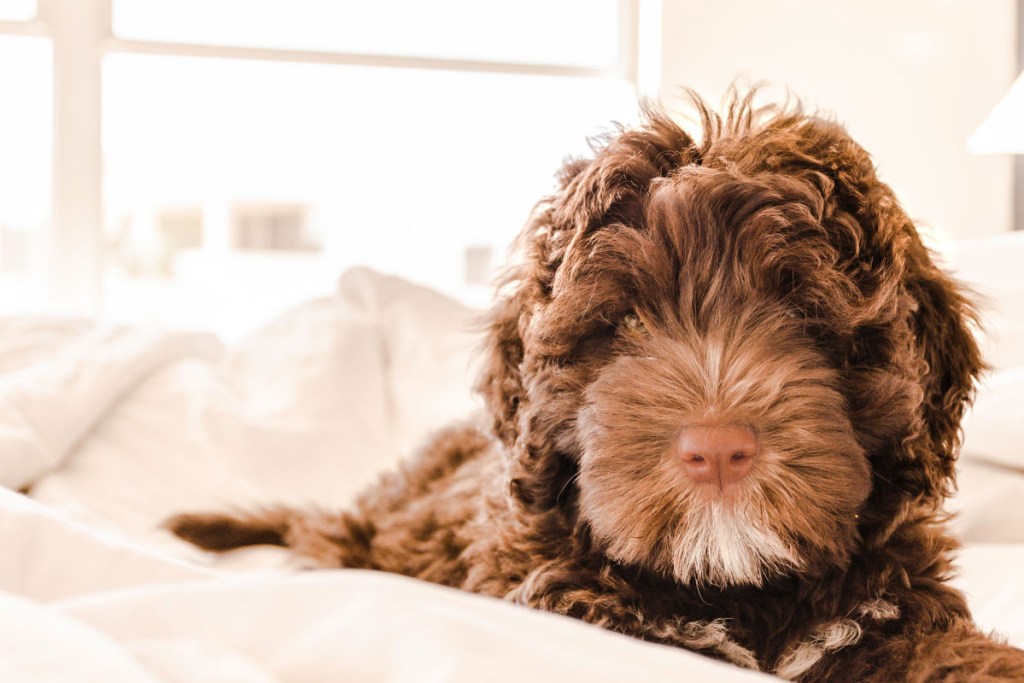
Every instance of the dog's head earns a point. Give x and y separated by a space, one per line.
728 360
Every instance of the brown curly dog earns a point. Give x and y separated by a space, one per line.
724 382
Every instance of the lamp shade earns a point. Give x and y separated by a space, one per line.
1002 131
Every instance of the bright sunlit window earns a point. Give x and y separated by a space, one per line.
252 151
397 169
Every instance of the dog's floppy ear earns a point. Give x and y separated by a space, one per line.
526 286
951 363
500 383
533 463
533 474
608 188
945 360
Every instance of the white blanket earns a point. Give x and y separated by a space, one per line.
116 429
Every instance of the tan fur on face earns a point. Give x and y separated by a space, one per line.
753 366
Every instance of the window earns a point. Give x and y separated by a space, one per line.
241 165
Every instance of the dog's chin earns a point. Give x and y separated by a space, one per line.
727 548
717 545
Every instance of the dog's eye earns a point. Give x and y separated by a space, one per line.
633 324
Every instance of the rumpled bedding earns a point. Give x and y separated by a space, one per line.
112 429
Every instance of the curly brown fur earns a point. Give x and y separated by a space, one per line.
761 277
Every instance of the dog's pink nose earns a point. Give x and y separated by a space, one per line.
717 455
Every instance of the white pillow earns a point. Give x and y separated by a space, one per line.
994 427
307 410
304 411
430 352
991 267
297 413
988 504
990 500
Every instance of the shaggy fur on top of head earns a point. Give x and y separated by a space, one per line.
760 280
